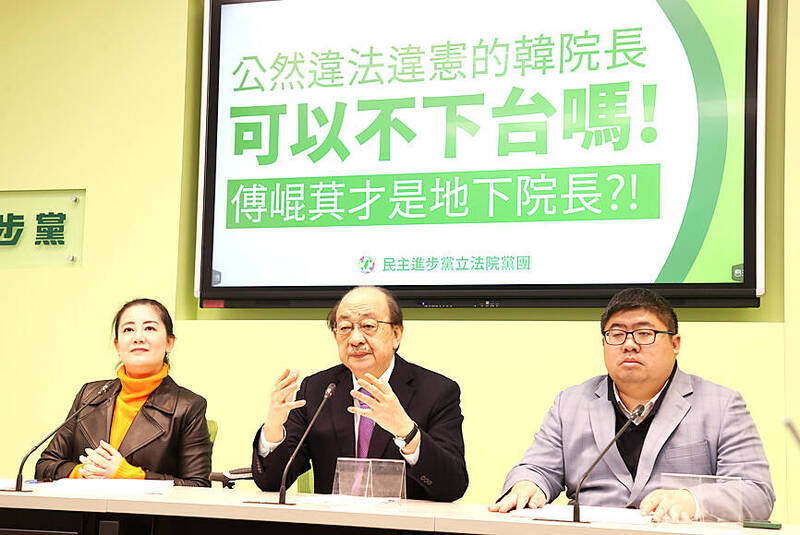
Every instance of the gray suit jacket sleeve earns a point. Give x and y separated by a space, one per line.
739 454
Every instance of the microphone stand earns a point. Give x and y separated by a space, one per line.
328 393
576 508
792 430
18 487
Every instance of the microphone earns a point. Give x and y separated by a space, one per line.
576 508
792 430
100 392
328 393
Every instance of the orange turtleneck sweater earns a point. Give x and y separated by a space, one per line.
130 399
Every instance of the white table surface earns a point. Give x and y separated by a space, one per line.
413 515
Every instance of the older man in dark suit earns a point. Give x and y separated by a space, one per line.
383 407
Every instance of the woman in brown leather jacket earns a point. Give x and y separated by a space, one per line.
145 426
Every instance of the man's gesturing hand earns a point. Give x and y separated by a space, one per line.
281 401
383 406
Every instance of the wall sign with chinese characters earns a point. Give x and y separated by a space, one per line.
42 228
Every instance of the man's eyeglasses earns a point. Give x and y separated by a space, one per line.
643 337
368 327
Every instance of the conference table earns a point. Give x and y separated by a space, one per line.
216 510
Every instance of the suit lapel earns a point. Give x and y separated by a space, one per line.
343 420
95 424
603 422
400 381
153 419
669 415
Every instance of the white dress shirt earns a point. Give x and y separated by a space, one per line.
648 407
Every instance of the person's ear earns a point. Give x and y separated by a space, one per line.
397 336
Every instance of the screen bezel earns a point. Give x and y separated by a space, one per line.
734 294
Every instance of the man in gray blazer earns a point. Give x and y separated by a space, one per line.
689 426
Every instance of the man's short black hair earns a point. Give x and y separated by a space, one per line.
633 298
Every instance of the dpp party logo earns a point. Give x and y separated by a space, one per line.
366 264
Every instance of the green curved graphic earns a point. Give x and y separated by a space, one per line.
712 139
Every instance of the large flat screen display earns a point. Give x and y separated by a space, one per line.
464 153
